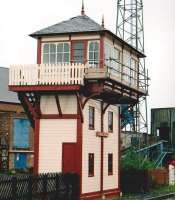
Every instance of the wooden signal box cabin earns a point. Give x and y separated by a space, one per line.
72 97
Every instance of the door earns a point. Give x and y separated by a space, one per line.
164 131
78 52
20 161
69 157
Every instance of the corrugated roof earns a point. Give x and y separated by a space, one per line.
5 94
78 24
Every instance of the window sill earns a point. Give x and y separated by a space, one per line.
91 129
90 176
109 131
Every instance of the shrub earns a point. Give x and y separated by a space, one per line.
132 160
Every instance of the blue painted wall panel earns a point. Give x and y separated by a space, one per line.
20 161
21 130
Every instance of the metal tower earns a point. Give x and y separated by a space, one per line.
130 28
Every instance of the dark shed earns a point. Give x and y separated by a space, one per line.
163 124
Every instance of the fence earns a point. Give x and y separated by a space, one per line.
159 176
40 187
47 74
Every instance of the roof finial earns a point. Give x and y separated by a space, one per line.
103 21
82 9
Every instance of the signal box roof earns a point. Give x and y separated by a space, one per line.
79 24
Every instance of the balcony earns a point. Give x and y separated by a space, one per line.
63 75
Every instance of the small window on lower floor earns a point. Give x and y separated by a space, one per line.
110 122
91 164
110 164
91 118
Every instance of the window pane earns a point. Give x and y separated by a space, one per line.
91 57
110 121
78 49
46 48
96 46
66 57
91 46
59 57
110 164
93 54
90 164
45 58
96 56
60 47
91 117
52 58
52 48
66 47
78 46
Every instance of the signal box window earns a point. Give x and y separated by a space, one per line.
91 118
110 121
110 164
91 164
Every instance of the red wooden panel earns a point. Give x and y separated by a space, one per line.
69 157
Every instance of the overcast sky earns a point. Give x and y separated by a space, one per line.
21 17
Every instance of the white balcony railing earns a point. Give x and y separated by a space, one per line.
71 74
60 74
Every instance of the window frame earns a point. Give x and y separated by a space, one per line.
113 52
91 174
56 52
91 126
93 65
110 171
16 147
110 129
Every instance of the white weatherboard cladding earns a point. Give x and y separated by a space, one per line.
68 104
111 146
91 144
55 39
48 105
54 132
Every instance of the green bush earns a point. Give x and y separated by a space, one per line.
132 160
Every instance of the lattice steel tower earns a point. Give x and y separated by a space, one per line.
130 28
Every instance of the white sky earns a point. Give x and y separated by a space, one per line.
18 18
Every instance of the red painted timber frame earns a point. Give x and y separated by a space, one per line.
102 149
102 51
97 195
119 145
79 141
36 146
45 88
39 51
57 116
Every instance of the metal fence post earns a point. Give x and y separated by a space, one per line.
29 195
45 177
57 185
14 188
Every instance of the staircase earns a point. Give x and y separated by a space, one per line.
155 152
